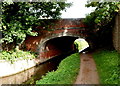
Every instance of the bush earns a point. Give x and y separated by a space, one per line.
66 72
15 55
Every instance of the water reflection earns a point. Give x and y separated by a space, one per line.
42 70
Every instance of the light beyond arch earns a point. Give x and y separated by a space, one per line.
81 44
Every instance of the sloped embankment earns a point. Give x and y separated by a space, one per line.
65 74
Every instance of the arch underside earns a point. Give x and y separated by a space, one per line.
42 43
56 45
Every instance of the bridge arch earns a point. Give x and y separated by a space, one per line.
43 41
56 44
56 34
63 29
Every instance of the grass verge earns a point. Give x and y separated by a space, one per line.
65 74
107 66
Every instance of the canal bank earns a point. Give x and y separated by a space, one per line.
66 72
34 69
31 73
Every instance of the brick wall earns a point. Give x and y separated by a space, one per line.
31 43
63 27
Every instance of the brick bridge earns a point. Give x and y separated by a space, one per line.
60 39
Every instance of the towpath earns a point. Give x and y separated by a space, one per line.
88 72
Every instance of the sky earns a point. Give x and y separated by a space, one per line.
77 10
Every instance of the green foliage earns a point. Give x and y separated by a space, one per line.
103 14
66 72
15 55
101 21
19 19
107 66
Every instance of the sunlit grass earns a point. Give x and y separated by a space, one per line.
65 74
107 66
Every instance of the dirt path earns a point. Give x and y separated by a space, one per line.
87 73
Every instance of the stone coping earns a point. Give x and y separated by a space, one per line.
7 68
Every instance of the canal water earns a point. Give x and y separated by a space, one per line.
42 69
35 73
45 67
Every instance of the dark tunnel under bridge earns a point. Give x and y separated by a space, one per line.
57 46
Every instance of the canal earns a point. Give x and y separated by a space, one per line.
35 73
45 67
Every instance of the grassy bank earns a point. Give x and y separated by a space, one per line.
66 72
107 66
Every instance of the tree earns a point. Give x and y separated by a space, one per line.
103 14
19 18
101 21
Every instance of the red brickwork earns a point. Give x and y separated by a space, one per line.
32 43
